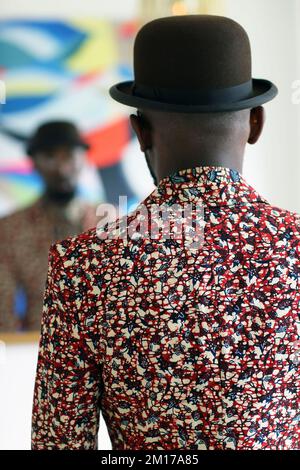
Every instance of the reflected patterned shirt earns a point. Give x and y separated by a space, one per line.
178 348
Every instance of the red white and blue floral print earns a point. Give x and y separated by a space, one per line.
178 349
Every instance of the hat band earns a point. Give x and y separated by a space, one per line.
201 96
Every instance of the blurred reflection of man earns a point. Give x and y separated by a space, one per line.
57 152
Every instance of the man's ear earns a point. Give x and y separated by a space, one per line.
142 131
257 120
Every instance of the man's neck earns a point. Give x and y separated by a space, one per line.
166 167
58 199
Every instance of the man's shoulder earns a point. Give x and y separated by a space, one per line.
104 237
280 227
283 217
94 243
74 245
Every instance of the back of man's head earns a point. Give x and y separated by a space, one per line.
200 126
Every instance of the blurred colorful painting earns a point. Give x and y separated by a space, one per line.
62 70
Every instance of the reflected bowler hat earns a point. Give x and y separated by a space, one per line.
193 63
52 134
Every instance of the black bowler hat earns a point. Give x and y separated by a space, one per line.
53 134
193 64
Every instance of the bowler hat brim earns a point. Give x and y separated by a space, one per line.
262 92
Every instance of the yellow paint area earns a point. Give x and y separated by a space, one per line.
98 51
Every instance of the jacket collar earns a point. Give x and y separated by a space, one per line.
212 185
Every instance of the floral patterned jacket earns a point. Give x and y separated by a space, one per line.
178 348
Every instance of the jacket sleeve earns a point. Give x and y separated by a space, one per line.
68 379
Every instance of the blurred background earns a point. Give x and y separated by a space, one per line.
57 61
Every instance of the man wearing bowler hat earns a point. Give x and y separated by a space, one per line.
181 345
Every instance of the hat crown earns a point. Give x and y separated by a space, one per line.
57 129
55 133
192 51
193 64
